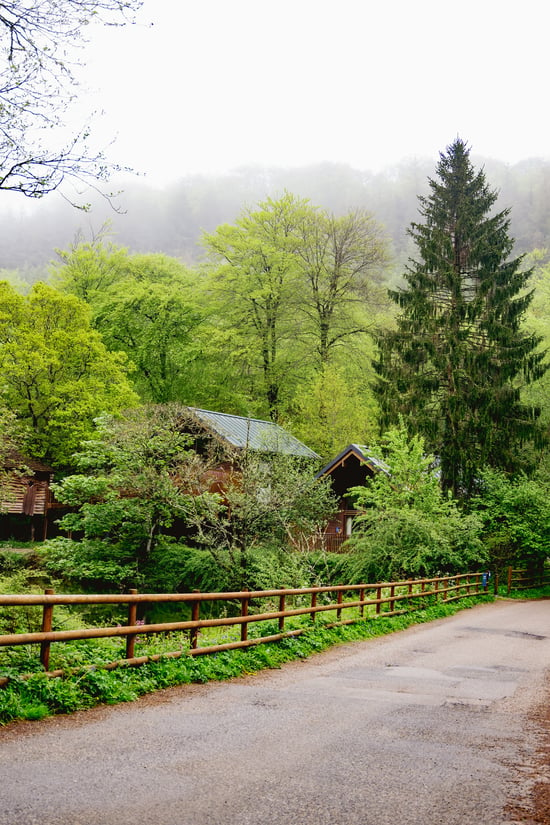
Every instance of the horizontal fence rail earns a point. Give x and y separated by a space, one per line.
527 579
387 599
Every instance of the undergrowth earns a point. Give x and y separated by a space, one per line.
527 593
38 695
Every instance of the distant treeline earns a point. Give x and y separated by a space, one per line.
171 219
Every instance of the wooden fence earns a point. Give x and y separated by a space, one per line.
526 579
386 599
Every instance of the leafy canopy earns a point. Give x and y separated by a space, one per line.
142 305
408 527
56 373
137 478
515 513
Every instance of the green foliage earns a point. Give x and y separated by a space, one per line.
326 568
141 484
342 259
256 282
89 269
335 407
28 618
11 561
295 289
91 564
18 619
538 322
272 506
57 374
406 544
408 527
515 513
216 570
137 480
142 305
456 364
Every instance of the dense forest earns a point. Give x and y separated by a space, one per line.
170 253
394 309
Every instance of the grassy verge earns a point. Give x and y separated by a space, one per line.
526 593
38 695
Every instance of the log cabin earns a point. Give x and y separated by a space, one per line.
25 498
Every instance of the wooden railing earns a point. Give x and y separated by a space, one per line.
526 579
332 542
386 598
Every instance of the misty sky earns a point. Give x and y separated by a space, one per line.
215 84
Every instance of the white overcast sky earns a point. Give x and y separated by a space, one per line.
215 84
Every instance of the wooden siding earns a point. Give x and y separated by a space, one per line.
27 495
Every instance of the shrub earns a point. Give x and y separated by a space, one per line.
406 544
515 514
408 527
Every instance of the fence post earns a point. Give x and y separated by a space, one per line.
132 619
281 610
509 580
392 600
47 616
362 599
313 613
194 631
244 625
378 599
339 600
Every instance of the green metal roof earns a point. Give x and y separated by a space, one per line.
252 433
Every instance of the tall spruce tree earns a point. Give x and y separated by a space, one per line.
455 365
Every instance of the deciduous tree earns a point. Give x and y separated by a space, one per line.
271 506
408 526
256 282
142 305
135 479
295 286
334 408
56 373
342 260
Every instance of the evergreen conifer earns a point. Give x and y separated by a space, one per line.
455 365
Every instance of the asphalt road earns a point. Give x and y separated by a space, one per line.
434 724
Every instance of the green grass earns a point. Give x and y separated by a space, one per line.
527 593
39 695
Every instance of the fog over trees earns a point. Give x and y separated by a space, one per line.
284 272
171 219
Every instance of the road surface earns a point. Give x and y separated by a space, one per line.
434 724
